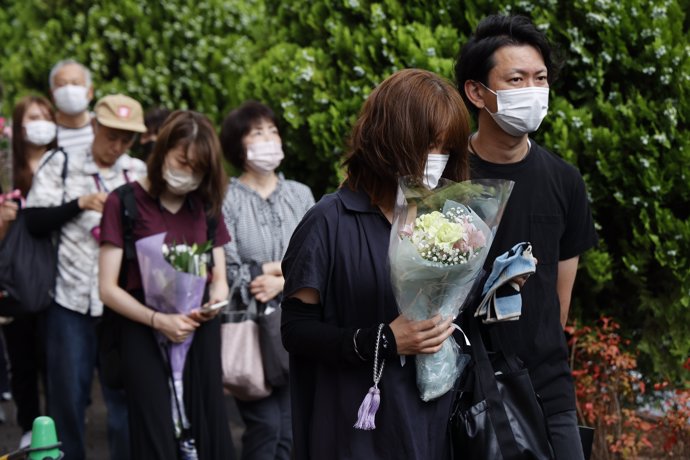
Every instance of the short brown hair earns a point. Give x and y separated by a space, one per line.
237 124
409 112
186 128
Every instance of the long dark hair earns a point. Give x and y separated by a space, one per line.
189 129
408 113
22 175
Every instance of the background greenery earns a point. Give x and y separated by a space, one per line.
619 110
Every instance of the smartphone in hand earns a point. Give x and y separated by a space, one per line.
213 307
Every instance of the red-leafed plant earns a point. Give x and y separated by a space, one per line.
609 391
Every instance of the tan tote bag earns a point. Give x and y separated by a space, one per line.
243 371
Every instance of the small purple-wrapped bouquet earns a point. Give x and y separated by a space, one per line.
174 279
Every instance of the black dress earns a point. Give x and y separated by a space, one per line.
340 249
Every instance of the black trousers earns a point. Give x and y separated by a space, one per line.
24 342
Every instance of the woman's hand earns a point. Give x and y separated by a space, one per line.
175 327
93 201
266 287
8 211
521 280
272 268
420 337
201 316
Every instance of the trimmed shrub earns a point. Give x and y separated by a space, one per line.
176 54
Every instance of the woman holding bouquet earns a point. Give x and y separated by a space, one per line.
340 318
181 195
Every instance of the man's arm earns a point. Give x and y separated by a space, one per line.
567 269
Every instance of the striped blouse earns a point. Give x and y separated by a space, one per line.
260 228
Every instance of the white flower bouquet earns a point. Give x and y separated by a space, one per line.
438 244
174 280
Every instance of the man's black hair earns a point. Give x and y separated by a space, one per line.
493 32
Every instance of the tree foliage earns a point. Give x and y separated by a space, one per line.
619 110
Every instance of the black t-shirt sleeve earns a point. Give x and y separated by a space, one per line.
579 234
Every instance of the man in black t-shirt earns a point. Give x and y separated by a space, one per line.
504 72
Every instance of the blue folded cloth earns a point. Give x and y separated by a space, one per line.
501 294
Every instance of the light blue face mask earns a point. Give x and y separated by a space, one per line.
433 170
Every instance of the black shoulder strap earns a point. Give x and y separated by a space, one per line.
63 174
130 213
211 226
487 385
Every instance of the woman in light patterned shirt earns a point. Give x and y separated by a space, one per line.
261 210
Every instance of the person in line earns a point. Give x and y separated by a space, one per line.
339 312
504 72
184 187
71 88
70 323
33 134
261 210
153 118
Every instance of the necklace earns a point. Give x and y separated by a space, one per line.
473 149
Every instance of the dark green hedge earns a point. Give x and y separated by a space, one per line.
619 110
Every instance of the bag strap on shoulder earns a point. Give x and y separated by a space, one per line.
129 214
211 226
128 206
63 173
488 386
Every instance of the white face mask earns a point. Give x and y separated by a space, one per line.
435 164
181 182
264 157
520 111
40 132
71 99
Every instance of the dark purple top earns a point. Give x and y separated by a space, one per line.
188 225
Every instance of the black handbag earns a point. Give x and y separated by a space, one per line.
274 357
497 414
28 268
28 265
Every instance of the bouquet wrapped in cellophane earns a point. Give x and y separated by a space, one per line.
438 244
174 279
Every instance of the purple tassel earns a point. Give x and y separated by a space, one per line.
367 410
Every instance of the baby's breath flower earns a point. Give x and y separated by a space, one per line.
448 238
